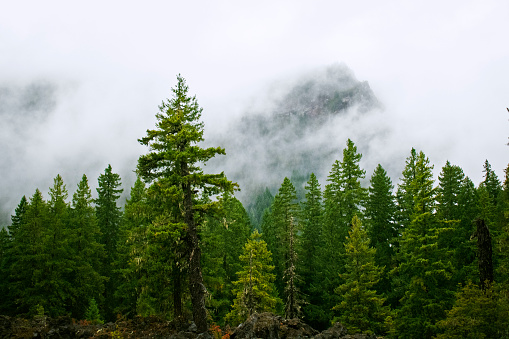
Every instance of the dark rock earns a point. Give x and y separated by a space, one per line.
259 325
192 328
336 331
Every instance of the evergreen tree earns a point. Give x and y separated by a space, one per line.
173 159
381 228
424 272
312 221
406 192
254 288
262 202
108 218
92 314
344 197
57 252
131 246
12 250
477 314
27 252
223 237
88 252
282 232
351 176
503 268
4 262
465 257
361 308
455 199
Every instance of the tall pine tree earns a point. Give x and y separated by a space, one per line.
174 159
108 218
361 308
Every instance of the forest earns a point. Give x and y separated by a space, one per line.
420 258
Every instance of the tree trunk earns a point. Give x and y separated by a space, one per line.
177 292
196 287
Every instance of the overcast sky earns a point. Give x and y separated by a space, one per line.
440 68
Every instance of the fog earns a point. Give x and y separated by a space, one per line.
80 83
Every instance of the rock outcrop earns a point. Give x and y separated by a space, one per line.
259 325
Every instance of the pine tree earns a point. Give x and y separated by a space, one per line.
57 252
4 262
424 273
88 252
130 249
351 176
477 314
223 237
312 223
361 308
406 192
503 268
381 228
281 236
27 269
344 197
454 209
254 288
8 305
108 216
174 159
92 314
465 257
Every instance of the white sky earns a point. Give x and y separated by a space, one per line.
440 68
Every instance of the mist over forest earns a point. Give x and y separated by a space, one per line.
292 127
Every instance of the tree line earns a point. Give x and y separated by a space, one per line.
419 259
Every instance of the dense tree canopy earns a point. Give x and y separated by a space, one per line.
413 258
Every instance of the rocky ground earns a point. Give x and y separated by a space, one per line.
263 325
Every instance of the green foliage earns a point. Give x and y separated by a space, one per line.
87 252
280 229
381 227
131 245
344 197
361 308
109 216
27 270
254 289
312 224
173 163
477 314
92 314
262 202
424 272
223 237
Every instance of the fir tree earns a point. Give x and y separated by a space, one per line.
424 273
455 198
108 219
361 308
477 314
27 252
312 221
174 159
223 237
92 314
381 227
351 176
254 288
4 262
282 231
86 278
57 252
131 245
